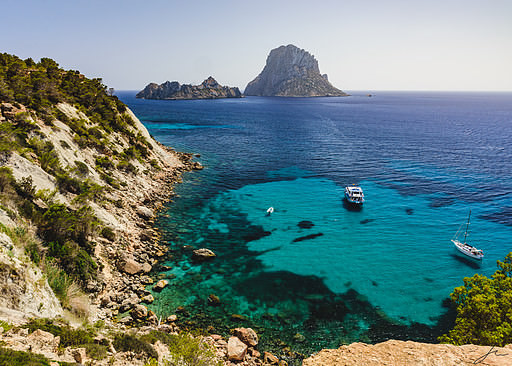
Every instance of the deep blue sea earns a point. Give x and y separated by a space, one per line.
423 160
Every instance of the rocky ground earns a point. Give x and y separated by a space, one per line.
400 353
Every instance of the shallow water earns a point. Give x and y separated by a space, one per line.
423 160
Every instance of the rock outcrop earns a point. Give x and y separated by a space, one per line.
291 72
208 89
411 353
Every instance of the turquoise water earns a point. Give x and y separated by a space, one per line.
316 266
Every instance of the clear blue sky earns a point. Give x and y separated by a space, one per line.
360 44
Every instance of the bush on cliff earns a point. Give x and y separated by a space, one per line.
19 358
484 309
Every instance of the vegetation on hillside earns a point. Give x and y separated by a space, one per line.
484 309
30 93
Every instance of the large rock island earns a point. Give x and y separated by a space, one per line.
208 89
291 72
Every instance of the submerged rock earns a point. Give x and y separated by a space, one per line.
305 224
160 285
307 237
213 300
203 254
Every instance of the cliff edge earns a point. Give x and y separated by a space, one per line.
404 353
291 72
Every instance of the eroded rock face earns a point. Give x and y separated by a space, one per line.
208 89
291 72
24 287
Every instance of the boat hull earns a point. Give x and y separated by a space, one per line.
468 250
353 201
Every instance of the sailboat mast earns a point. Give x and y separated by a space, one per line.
467 226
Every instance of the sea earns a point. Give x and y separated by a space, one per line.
318 273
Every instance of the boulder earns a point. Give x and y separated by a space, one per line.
129 265
246 335
145 212
160 285
203 254
43 342
79 355
146 267
148 299
139 312
213 300
236 349
172 318
270 359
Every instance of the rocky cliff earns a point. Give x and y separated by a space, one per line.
291 72
208 89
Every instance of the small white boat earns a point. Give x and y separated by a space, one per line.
354 194
270 210
464 247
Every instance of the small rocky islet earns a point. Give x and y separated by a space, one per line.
208 89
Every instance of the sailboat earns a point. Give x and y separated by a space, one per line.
464 247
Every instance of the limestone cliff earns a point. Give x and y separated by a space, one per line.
80 177
291 72
208 89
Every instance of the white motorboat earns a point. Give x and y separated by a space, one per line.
354 194
464 247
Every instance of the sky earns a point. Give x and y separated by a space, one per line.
460 45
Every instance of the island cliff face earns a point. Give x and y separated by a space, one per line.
208 89
291 72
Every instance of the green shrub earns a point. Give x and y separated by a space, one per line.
104 162
108 233
64 144
7 181
25 187
185 349
126 343
69 337
484 308
154 164
58 280
19 358
127 167
81 168
33 251
5 325
96 351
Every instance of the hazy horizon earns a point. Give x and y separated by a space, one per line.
373 45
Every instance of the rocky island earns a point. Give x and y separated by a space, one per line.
291 72
208 89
